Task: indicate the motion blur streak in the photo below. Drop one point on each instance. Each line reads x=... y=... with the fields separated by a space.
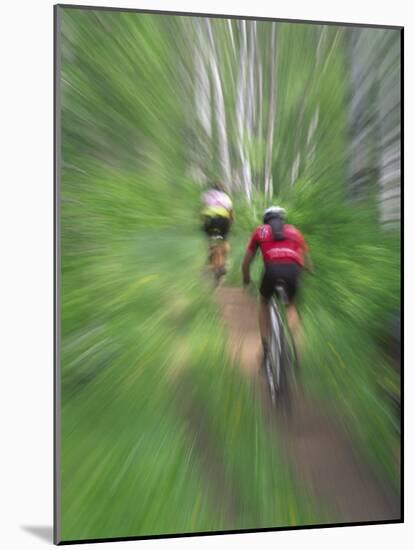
x=162 y=431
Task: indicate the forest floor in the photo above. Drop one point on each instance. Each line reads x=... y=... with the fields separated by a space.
x=316 y=445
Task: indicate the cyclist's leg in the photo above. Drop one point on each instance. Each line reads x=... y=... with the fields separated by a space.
x=222 y=226
x=226 y=248
x=264 y=321
x=223 y=251
x=266 y=291
x=207 y=230
x=218 y=257
x=292 y=278
x=211 y=228
x=290 y=274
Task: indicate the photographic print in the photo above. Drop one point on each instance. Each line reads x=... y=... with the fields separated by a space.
x=228 y=274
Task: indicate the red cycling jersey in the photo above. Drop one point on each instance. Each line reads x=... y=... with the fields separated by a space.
x=291 y=250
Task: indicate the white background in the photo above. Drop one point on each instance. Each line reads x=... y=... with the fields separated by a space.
x=26 y=297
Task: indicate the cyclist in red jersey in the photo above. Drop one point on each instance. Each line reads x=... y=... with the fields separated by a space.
x=285 y=255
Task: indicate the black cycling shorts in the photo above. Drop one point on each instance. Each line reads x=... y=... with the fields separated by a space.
x=217 y=225
x=290 y=274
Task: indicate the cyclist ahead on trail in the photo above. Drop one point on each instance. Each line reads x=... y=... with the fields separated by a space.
x=285 y=255
x=217 y=210
x=218 y=215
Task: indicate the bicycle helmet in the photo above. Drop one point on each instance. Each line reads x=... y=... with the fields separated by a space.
x=274 y=212
x=275 y=217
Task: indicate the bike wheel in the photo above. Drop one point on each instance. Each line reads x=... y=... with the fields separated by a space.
x=272 y=356
x=270 y=379
x=280 y=361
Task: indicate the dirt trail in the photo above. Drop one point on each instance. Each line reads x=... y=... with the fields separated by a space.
x=323 y=457
x=240 y=316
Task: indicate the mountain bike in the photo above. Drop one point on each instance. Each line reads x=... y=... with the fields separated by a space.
x=280 y=359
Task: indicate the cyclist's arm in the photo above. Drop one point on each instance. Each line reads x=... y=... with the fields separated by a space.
x=308 y=264
x=248 y=258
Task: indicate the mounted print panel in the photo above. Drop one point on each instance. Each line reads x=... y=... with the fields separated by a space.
x=228 y=274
